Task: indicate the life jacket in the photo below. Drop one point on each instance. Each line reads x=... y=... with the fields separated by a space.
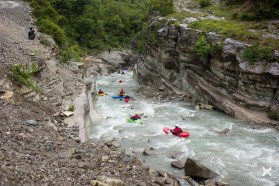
x=135 y=117
x=121 y=93
x=177 y=131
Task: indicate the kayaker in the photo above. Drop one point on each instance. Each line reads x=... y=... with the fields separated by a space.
x=122 y=72
x=100 y=91
x=135 y=117
x=121 y=93
x=176 y=131
x=120 y=81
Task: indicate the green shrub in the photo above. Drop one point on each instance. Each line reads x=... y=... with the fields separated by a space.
x=48 y=26
x=273 y=115
x=73 y=52
x=176 y=24
x=204 y=3
x=202 y=47
x=255 y=53
x=72 y=107
x=25 y=76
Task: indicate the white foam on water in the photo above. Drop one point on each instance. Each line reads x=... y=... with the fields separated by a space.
x=260 y=131
x=238 y=156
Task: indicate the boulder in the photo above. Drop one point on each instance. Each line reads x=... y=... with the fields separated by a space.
x=195 y=169
x=147 y=151
x=177 y=164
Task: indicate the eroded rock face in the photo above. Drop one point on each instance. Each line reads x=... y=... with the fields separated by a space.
x=238 y=88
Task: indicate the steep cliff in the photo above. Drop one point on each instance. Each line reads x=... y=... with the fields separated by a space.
x=237 y=87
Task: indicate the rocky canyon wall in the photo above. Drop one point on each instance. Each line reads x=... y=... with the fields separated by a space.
x=225 y=80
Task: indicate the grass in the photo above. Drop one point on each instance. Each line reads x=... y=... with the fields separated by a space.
x=233 y=26
x=237 y=30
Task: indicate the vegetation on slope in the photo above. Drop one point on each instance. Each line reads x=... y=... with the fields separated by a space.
x=245 y=20
x=87 y=25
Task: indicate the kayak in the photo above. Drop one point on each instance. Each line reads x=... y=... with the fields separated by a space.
x=101 y=94
x=127 y=100
x=181 y=135
x=134 y=121
x=117 y=97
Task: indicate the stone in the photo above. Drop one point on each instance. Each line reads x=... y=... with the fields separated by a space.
x=32 y=122
x=215 y=181
x=147 y=151
x=68 y=113
x=177 y=164
x=46 y=118
x=195 y=169
x=105 y=158
x=110 y=181
x=83 y=165
x=98 y=183
x=160 y=181
x=116 y=144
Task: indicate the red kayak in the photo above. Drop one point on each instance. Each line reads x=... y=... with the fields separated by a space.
x=127 y=100
x=181 y=135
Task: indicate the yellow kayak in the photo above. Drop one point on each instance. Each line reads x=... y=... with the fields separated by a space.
x=101 y=94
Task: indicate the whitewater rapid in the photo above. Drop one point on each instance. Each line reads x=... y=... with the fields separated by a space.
x=241 y=157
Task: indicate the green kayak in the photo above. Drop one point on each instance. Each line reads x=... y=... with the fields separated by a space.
x=134 y=121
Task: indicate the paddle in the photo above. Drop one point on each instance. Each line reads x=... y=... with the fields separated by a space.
x=166 y=130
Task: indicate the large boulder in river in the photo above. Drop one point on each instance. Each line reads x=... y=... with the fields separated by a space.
x=195 y=169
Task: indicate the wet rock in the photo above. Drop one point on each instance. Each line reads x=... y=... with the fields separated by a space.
x=215 y=181
x=161 y=173
x=195 y=169
x=177 y=164
x=191 y=181
x=225 y=131
x=147 y=151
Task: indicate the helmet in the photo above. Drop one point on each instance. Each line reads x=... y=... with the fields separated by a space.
x=136 y=113
x=176 y=125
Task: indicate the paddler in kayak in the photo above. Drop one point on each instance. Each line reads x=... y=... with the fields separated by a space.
x=121 y=93
x=135 y=117
x=176 y=131
x=100 y=92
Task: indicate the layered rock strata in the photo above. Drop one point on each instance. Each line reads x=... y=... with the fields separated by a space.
x=225 y=80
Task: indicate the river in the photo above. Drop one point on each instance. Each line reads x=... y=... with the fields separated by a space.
x=242 y=157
